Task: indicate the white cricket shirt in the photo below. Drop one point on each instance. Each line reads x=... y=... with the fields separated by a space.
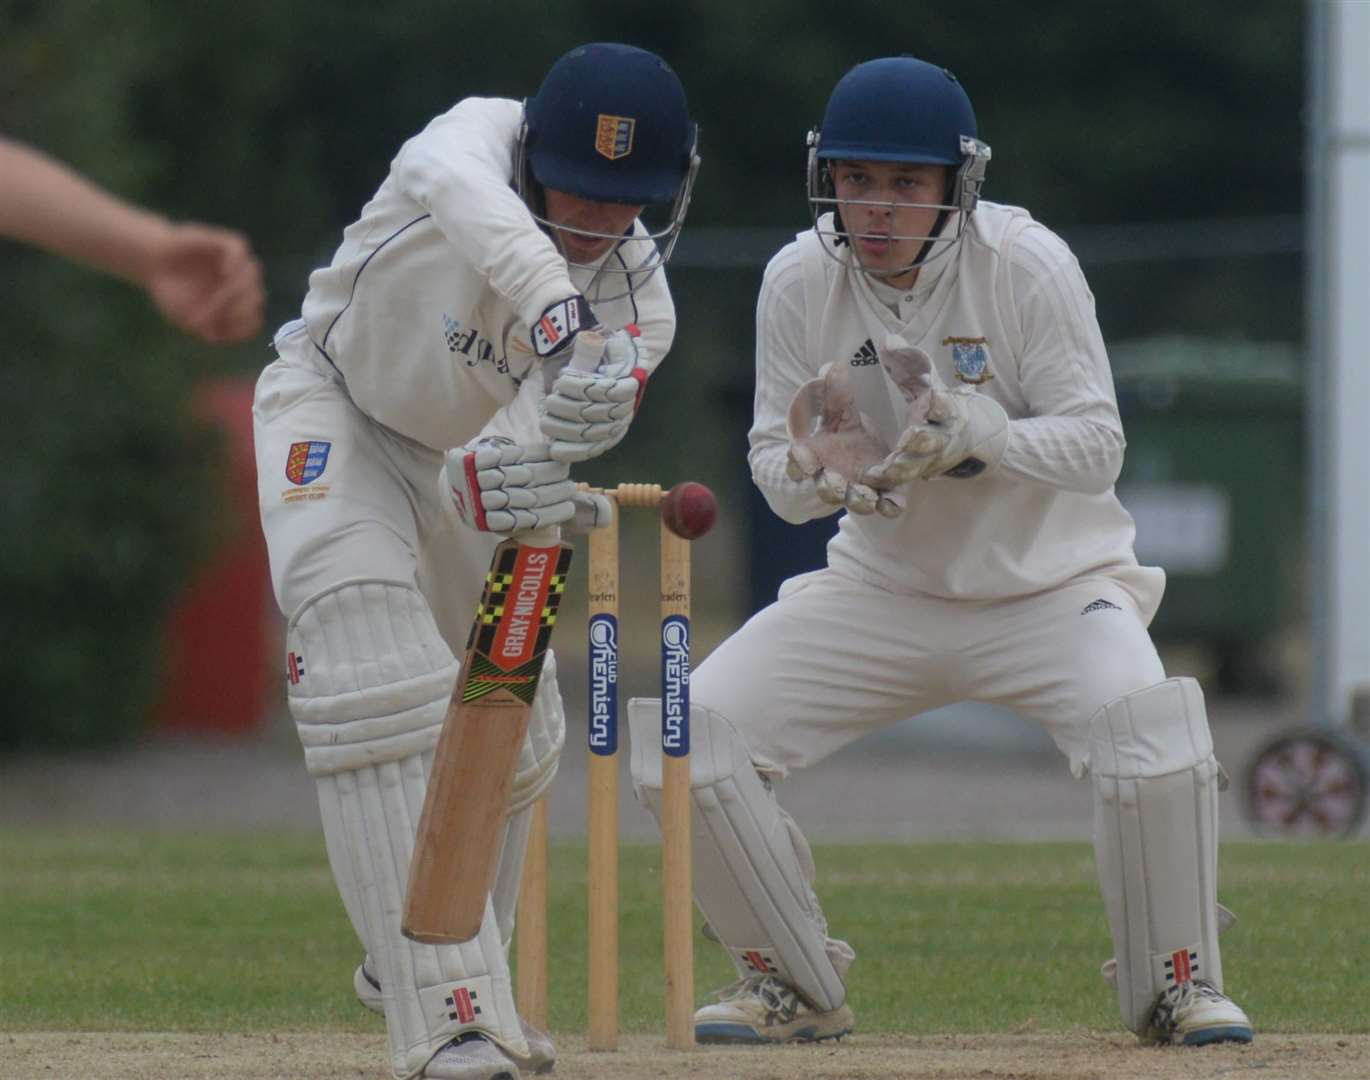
x=1008 y=312
x=426 y=307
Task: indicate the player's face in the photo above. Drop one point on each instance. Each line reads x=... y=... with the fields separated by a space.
x=572 y=217
x=889 y=208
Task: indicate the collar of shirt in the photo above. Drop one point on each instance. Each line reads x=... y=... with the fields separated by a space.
x=903 y=303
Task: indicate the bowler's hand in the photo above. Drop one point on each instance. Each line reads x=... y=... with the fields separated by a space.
x=207 y=282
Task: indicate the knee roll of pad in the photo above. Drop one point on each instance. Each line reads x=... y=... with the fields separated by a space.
x=370 y=676
x=750 y=878
x=1155 y=838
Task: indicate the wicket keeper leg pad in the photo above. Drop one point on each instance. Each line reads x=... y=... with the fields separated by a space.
x=369 y=703
x=1156 y=841
x=749 y=876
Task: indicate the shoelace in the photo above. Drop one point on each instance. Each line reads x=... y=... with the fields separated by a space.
x=1178 y=998
x=781 y=1001
x=744 y=987
x=1196 y=988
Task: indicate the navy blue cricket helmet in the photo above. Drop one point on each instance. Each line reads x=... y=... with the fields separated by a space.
x=609 y=123
x=898 y=108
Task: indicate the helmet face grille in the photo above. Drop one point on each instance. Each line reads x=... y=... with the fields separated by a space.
x=899 y=109
x=578 y=136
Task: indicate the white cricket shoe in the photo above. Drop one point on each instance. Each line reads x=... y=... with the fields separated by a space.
x=762 y=1009
x=470 y=1057
x=542 y=1052
x=1194 y=1013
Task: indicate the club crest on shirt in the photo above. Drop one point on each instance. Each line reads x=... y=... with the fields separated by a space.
x=614 y=136
x=970 y=359
x=304 y=464
x=306 y=461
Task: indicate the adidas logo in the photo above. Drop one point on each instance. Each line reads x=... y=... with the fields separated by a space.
x=866 y=355
x=1100 y=605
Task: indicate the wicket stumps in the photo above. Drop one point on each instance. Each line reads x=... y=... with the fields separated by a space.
x=602 y=780
x=532 y=923
x=603 y=636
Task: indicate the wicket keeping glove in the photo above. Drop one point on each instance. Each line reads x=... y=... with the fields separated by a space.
x=957 y=433
x=831 y=445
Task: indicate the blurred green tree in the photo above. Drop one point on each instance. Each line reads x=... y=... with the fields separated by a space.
x=108 y=492
x=280 y=119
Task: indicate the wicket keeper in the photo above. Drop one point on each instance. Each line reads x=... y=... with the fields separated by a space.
x=929 y=366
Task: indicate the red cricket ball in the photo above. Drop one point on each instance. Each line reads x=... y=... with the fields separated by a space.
x=689 y=510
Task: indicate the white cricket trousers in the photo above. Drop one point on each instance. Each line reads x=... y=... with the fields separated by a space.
x=365 y=502
x=834 y=658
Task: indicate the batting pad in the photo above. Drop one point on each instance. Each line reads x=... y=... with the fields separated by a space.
x=370 y=683
x=541 y=753
x=752 y=868
x=504 y=894
x=1156 y=841
x=537 y=768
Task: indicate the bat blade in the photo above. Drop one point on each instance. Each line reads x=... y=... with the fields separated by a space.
x=456 y=849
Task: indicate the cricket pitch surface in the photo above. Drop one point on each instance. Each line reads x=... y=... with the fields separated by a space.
x=1027 y=1056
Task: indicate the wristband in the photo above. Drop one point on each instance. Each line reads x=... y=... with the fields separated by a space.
x=557 y=327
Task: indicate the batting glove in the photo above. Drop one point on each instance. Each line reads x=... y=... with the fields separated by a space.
x=591 y=402
x=496 y=485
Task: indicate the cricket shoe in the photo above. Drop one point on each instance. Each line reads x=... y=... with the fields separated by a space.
x=1194 y=1013
x=542 y=1053
x=762 y=1009
x=470 y=1056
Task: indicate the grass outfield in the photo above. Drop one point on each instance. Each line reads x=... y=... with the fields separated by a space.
x=245 y=933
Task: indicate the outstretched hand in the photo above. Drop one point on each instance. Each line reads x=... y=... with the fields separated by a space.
x=206 y=282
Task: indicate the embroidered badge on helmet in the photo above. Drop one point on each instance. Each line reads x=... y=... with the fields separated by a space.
x=970 y=359
x=614 y=136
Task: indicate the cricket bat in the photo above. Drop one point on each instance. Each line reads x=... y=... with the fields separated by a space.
x=457 y=848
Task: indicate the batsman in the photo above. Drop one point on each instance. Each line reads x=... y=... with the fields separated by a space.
x=929 y=366
x=423 y=408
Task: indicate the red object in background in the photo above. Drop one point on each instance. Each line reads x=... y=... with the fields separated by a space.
x=218 y=638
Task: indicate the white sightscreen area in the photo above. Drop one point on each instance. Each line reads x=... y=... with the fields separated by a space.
x=1339 y=343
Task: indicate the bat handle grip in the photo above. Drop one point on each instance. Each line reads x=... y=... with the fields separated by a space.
x=549 y=536
x=587 y=350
